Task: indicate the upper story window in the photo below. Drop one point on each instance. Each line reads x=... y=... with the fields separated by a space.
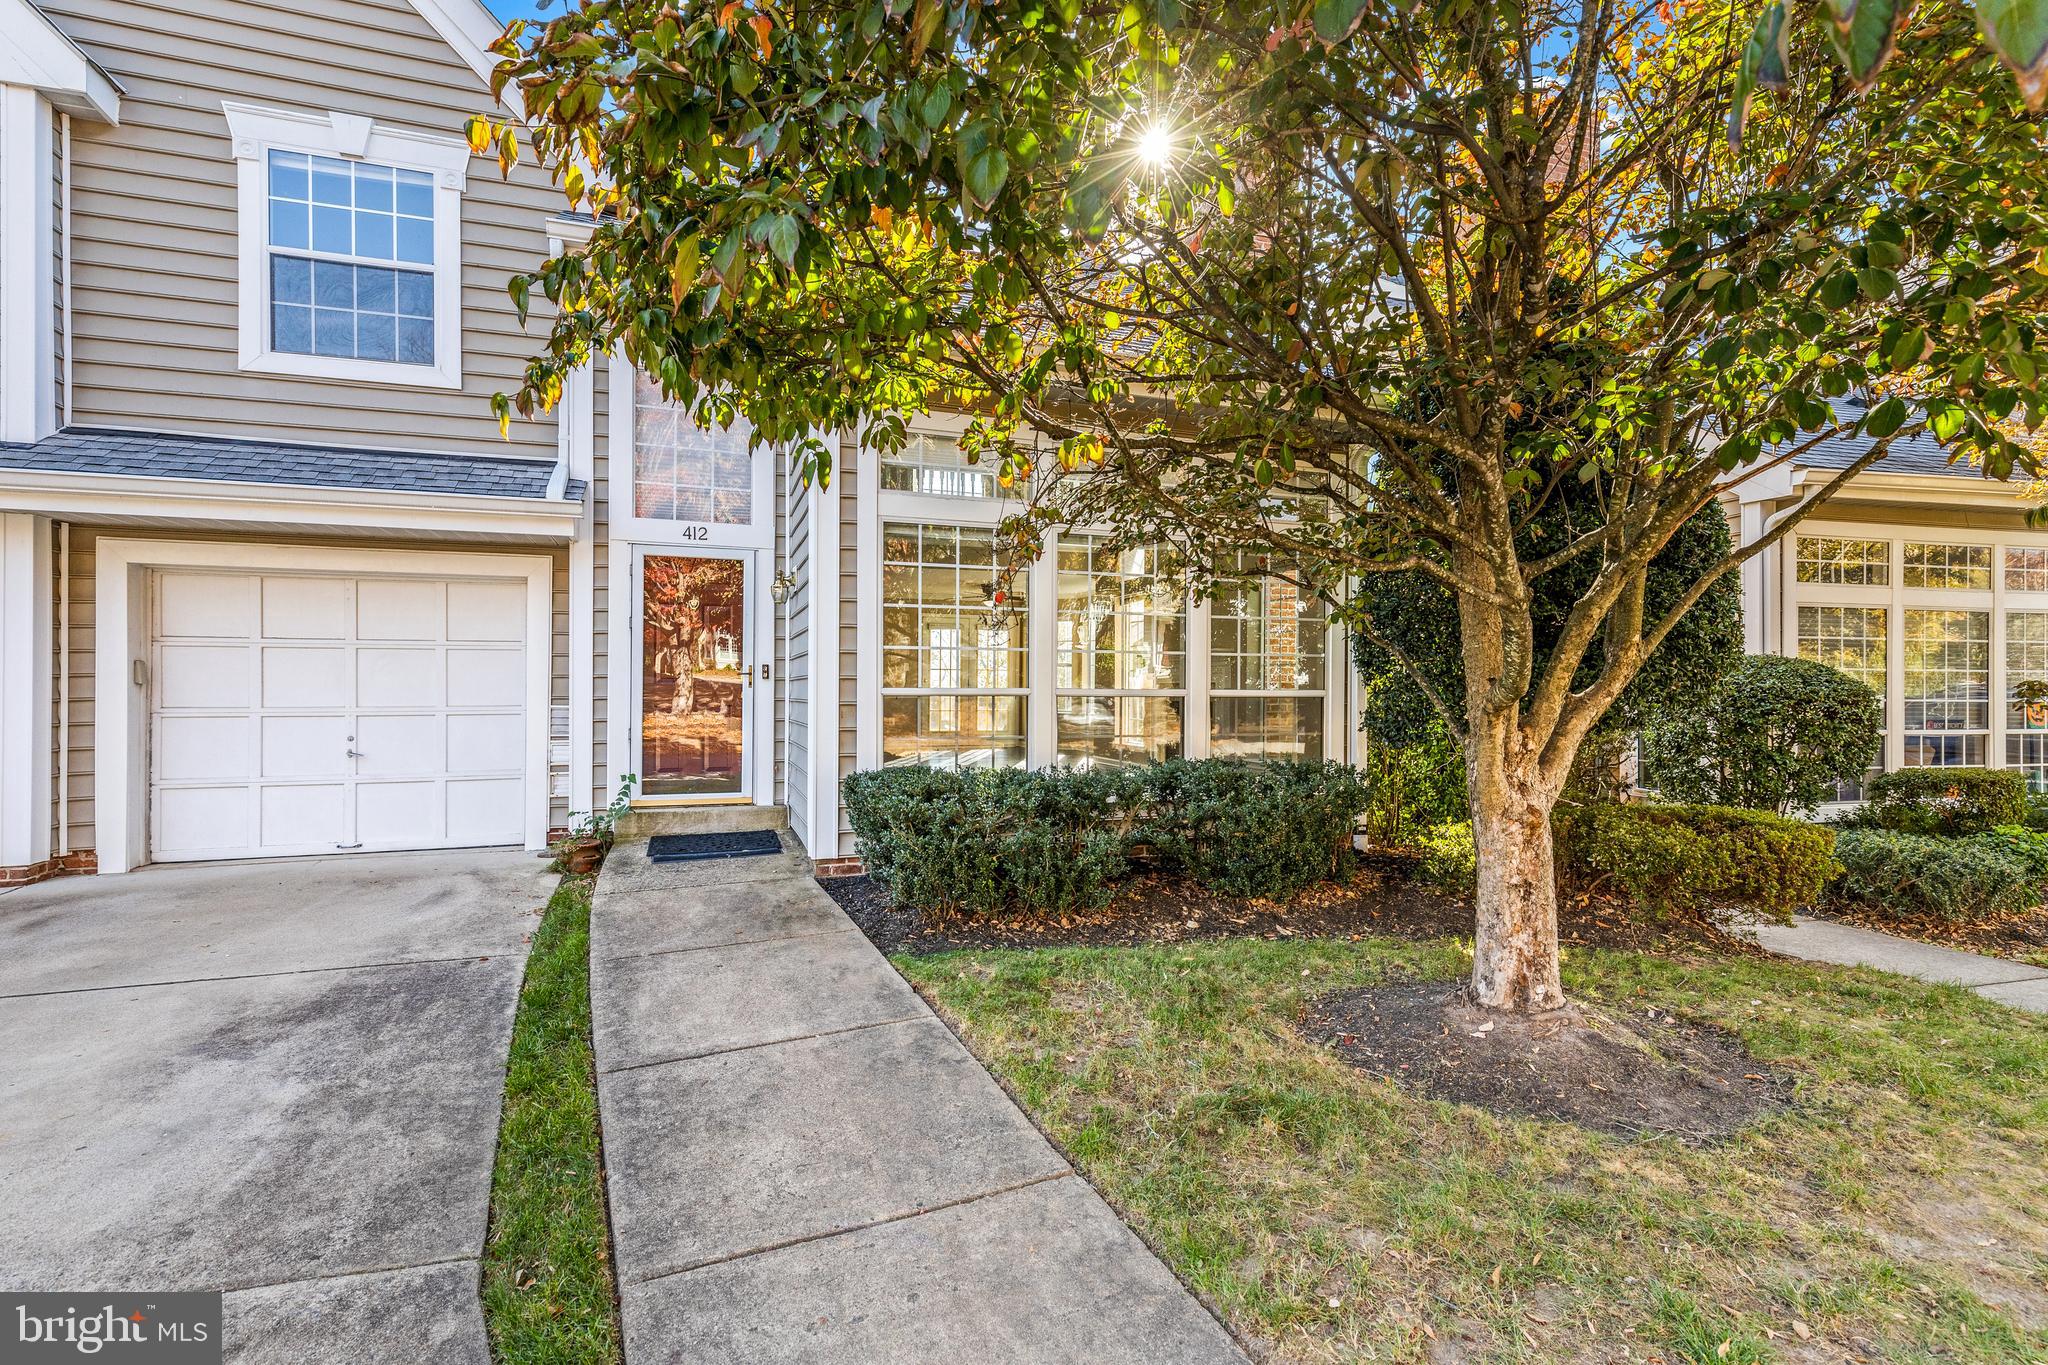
x=933 y=463
x=684 y=472
x=350 y=248
x=1931 y=564
x=1832 y=559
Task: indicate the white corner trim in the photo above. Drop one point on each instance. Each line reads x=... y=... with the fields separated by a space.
x=27 y=643
x=824 y=717
x=867 y=709
x=28 y=243
x=622 y=598
x=253 y=131
x=121 y=639
x=39 y=54
x=577 y=436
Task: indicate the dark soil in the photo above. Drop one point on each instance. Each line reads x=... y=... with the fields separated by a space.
x=1382 y=899
x=1638 y=1075
x=2022 y=937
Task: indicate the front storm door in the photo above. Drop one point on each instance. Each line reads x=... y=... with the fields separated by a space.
x=695 y=676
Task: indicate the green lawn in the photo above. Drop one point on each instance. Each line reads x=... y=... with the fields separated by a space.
x=1898 y=1211
x=548 y=1293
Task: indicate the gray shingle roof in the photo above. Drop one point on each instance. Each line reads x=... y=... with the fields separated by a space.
x=1915 y=454
x=224 y=459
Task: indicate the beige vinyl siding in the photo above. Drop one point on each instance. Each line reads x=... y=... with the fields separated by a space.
x=154 y=231
x=847 y=478
x=78 y=648
x=796 y=668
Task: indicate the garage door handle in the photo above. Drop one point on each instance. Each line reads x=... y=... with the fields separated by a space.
x=353 y=754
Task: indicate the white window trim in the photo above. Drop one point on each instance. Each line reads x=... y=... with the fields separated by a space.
x=255 y=132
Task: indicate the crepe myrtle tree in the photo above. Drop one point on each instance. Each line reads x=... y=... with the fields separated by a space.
x=1350 y=287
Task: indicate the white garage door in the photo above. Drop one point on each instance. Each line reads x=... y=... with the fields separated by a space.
x=296 y=714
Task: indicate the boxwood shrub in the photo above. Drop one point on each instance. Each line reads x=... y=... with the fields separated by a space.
x=1060 y=839
x=1691 y=858
x=1950 y=801
x=1927 y=875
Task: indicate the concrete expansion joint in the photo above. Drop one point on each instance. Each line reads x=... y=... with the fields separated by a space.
x=771 y=1042
x=353 y=1273
x=727 y=947
x=871 y=1223
x=257 y=976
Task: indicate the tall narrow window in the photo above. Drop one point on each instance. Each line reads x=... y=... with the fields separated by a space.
x=1121 y=669
x=953 y=657
x=1947 y=660
x=351 y=259
x=1268 y=674
x=2026 y=718
x=1851 y=640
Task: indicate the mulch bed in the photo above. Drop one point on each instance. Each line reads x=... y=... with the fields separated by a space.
x=2021 y=937
x=1637 y=1075
x=1382 y=899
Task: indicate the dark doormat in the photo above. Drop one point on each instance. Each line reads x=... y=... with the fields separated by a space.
x=694 y=848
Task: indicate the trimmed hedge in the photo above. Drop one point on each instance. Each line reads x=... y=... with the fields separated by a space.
x=1691 y=858
x=1920 y=874
x=1948 y=801
x=1060 y=839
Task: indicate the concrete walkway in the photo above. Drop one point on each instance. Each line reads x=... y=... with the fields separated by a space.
x=2008 y=983
x=805 y=1165
x=278 y=1079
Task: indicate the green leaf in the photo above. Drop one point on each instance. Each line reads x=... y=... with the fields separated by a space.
x=1877 y=285
x=1907 y=352
x=1335 y=19
x=1865 y=34
x=782 y=237
x=984 y=176
x=1764 y=63
x=2017 y=31
x=1884 y=419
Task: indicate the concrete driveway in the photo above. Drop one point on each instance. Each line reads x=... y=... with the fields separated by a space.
x=280 y=1079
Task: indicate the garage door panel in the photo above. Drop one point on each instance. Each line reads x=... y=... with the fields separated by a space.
x=305 y=677
x=488 y=743
x=205 y=605
x=204 y=819
x=203 y=677
x=397 y=676
x=487 y=611
x=398 y=813
x=484 y=811
x=203 y=748
x=484 y=677
x=305 y=608
x=399 y=746
x=399 y=609
x=305 y=746
x=295 y=815
x=298 y=714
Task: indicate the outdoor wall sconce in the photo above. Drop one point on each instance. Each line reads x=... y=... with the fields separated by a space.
x=781 y=586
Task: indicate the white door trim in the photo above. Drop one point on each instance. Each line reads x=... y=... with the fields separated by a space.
x=120 y=700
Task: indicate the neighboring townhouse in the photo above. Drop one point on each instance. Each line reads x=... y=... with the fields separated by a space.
x=1921 y=578
x=272 y=583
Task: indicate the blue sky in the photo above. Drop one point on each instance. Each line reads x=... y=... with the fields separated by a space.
x=514 y=9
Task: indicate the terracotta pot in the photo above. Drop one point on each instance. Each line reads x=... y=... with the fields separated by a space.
x=585 y=856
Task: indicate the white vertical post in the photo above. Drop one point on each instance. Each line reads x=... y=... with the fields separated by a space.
x=28 y=301
x=823 y=588
x=27 y=655
x=1755 y=603
x=576 y=434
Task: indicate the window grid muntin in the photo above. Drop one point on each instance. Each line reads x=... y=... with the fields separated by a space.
x=955 y=663
x=934 y=465
x=2026 y=568
x=1100 y=586
x=1840 y=561
x=2027 y=750
x=334 y=227
x=1946 y=663
x=2026 y=660
x=1947 y=566
x=686 y=472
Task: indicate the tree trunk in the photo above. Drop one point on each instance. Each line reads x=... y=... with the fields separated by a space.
x=1514 y=951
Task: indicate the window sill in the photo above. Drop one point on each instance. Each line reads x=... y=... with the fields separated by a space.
x=382 y=373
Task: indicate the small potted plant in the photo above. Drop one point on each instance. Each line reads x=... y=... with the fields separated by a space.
x=583 y=847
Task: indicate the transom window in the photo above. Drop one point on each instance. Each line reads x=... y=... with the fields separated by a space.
x=1948 y=687
x=934 y=464
x=2026 y=569
x=1267 y=666
x=685 y=472
x=954 y=662
x=1121 y=662
x=1932 y=564
x=1831 y=559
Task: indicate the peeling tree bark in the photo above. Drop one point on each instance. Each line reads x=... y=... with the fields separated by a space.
x=1514 y=953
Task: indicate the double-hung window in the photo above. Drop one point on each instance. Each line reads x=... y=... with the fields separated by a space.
x=350 y=248
x=1121 y=664
x=1268 y=671
x=954 y=674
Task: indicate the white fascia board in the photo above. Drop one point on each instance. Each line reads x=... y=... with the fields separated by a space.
x=74 y=495
x=37 y=53
x=1950 y=489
